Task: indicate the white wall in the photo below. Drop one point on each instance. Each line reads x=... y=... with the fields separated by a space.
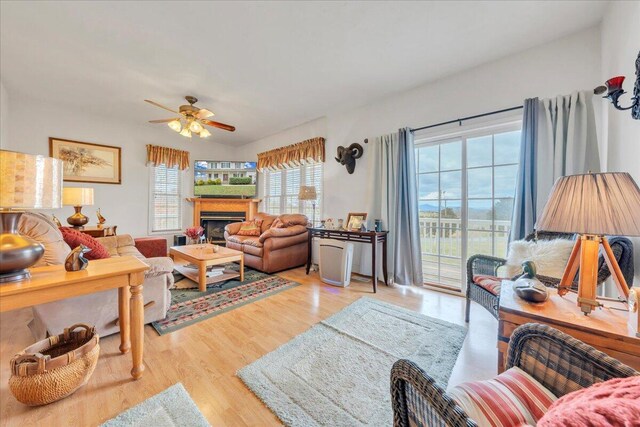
x=4 y=115
x=620 y=46
x=556 y=68
x=125 y=205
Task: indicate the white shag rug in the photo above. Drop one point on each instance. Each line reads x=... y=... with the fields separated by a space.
x=170 y=408
x=338 y=372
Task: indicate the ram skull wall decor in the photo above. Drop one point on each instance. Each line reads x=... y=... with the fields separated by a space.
x=347 y=156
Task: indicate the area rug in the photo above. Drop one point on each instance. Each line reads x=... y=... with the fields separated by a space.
x=337 y=373
x=189 y=305
x=170 y=408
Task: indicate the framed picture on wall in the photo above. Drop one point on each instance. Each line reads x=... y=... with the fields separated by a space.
x=355 y=220
x=87 y=162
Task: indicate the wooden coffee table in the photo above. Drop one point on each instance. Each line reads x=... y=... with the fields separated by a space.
x=605 y=328
x=203 y=256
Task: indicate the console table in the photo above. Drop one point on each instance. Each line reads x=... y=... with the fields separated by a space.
x=53 y=283
x=605 y=328
x=371 y=237
x=99 y=231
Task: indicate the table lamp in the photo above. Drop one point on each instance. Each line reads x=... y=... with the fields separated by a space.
x=77 y=197
x=308 y=192
x=26 y=182
x=593 y=206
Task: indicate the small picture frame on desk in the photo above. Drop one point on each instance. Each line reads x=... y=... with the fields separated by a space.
x=355 y=220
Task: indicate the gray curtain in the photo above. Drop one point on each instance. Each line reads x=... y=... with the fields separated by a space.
x=558 y=138
x=393 y=196
x=524 y=205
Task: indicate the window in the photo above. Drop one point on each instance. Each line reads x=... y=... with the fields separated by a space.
x=281 y=190
x=165 y=200
x=466 y=188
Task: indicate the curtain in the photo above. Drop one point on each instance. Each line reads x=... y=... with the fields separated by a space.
x=558 y=138
x=309 y=151
x=524 y=205
x=170 y=157
x=393 y=198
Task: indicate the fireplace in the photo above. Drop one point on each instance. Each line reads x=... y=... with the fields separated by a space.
x=214 y=222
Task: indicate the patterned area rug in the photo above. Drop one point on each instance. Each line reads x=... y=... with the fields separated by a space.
x=338 y=372
x=189 y=305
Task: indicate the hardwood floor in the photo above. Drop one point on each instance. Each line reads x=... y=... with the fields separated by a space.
x=204 y=357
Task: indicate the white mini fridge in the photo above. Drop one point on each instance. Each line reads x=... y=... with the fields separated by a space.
x=336 y=258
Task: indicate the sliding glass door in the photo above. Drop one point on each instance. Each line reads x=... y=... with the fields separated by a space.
x=466 y=184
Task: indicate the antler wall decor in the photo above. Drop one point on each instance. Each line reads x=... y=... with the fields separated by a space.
x=347 y=156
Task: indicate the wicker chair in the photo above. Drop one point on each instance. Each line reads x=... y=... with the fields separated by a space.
x=559 y=362
x=488 y=265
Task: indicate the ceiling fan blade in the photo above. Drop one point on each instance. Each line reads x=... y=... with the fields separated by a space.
x=218 y=125
x=164 y=120
x=204 y=114
x=161 y=106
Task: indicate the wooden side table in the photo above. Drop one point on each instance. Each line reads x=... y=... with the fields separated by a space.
x=99 y=231
x=53 y=283
x=606 y=328
x=371 y=237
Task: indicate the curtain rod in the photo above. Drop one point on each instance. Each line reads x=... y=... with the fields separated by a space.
x=596 y=91
x=459 y=121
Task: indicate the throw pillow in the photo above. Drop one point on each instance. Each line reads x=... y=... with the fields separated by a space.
x=75 y=238
x=41 y=229
x=250 y=228
x=550 y=256
x=277 y=224
x=611 y=403
x=513 y=398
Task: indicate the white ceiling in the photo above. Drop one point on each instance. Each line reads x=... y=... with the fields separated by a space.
x=261 y=66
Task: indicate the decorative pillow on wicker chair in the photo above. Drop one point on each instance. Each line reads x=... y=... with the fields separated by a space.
x=513 y=398
x=611 y=403
x=251 y=228
x=488 y=283
x=550 y=256
x=75 y=238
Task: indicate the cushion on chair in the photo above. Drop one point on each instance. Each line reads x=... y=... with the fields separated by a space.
x=550 y=256
x=277 y=224
x=488 y=283
x=611 y=403
x=513 y=398
x=41 y=229
x=251 y=228
x=75 y=238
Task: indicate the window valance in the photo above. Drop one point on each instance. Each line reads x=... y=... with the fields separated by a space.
x=170 y=157
x=309 y=151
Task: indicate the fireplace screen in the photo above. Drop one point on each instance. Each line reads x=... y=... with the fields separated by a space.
x=214 y=223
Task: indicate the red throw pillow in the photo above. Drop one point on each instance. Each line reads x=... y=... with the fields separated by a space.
x=75 y=238
x=251 y=228
x=611 y=403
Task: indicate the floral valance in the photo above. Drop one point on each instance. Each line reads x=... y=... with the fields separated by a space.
x=309 y=151
x=169 y=157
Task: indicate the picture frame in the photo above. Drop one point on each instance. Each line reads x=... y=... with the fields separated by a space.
x=88 y=162
x=355 y=220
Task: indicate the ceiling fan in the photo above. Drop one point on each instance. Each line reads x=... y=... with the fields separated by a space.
x=191 y=120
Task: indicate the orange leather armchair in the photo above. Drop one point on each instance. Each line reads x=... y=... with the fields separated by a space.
x=276 y=249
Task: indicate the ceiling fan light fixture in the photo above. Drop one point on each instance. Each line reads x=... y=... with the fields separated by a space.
x=175 y=125
x=195 y=127
x=186 y=132
x=204 y=133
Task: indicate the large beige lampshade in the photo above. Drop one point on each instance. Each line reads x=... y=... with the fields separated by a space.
x=75 y=196
x=307 y=192
x=30 y=181
x=598 y=203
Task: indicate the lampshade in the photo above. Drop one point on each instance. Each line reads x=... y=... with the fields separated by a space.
x=599 y=203
x=30 y=181
x=74 y=196
x=307 y=192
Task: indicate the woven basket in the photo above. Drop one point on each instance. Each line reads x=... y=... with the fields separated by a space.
x=54 y=368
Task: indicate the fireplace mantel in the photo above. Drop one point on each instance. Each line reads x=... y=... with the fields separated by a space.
x=248 y=206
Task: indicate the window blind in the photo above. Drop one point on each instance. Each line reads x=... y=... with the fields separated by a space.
x=165 y=199
x=281 y=188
